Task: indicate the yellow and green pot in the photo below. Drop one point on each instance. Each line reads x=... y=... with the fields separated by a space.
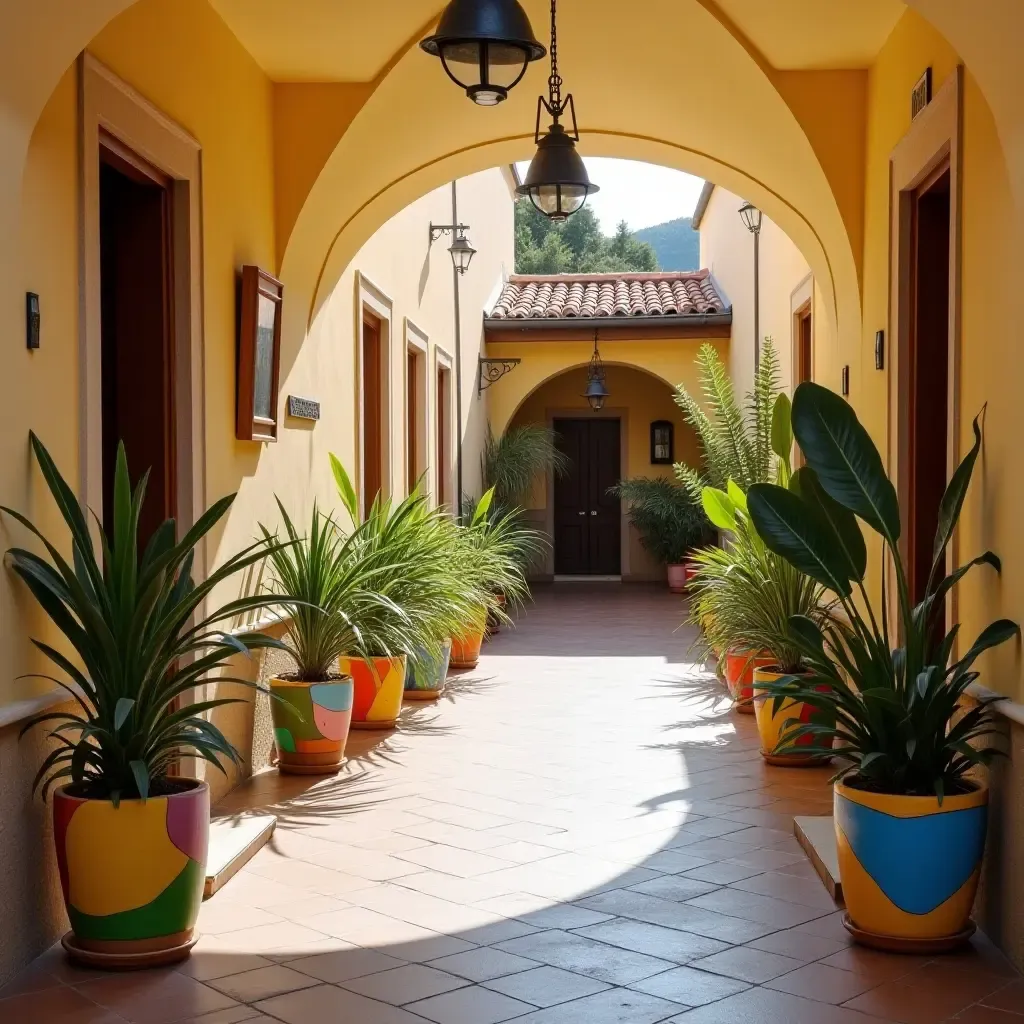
x=133 y=875
x=379 y=686
x=425 y=679
x=311 y=723
x=772 y=724
x=909 y=867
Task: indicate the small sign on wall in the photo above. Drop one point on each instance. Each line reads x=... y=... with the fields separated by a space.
x=303 y=408
x=662 y=446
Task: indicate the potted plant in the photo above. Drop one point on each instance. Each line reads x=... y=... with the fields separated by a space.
x=325 y=590
x=511 y=463
x=131 y=838
x=409 y=550
x=493 y=552
x=670 y=522
x=910 y=819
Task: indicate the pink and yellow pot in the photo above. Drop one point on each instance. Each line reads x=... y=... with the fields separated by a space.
x=772 y=724
x=739 y=676
x=311 y=724
x=133 y=875
x=379 y=685
x=910 y=866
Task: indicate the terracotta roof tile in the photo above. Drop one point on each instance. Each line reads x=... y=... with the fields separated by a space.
x=593 y=296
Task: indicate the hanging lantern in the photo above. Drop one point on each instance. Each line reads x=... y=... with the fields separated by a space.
x=557 y=181
x=462 y=253
x=485 y=47
x=596 y=391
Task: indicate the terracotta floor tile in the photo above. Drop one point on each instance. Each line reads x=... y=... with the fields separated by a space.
x=262 y=983
x=271 y=938
x=474 y=1005
x=764 y=1006
x=344 y=964
x=521 y=852
x=807 y=891
x=799 y=945
x=405 y=984
x=674 y=887
x=546 y=986
x=826 y=984
x=747 y=964
x=764 y=909
x=483 y=964
x=1010 y=997
x=59 y=1005
x=614 y=1006
x=667 y=943
x=218 y=916
x=235 y=1015
x=872 y=964
x=722 y=872
x=691 y=987
x=943 y=996
x=454 y=835
x=154 y=998
x=326 y=1004
x=981 y=1014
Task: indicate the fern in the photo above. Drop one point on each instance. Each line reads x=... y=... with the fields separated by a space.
x=735 y=439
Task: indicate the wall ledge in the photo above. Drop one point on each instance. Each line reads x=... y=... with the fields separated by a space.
x=20 y=710
x=1001 y=705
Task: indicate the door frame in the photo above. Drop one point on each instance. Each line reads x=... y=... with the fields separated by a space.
x=620 y=413
x=380 y=306
x=933 y=138
x=110 y=107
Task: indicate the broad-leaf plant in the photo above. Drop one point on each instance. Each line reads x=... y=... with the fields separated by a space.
x=141 y=639
x=895 y=688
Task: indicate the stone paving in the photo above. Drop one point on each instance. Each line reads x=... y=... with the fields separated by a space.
x=581 y=830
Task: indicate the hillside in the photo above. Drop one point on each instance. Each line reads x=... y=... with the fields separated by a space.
x=675 y=242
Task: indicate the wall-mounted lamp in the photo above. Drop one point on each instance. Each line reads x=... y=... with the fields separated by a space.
x=845 y=379
x=462 y=252
x=879 y=350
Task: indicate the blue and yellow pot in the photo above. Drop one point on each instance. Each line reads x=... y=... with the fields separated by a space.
x=425 y=678
x=909 y=867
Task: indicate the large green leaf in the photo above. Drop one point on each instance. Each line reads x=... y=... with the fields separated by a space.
x=843 y=522
x=953 y=500
x=782 y=428
x=790 y=528
x=719 y=508
x=840 y=451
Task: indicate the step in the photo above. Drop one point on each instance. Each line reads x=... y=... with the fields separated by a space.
x=817 y=835
x=234 y=841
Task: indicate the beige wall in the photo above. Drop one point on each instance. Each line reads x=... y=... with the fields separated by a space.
x=727 y=250
x=636 y=398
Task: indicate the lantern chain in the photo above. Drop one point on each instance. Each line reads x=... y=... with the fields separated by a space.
x=554 y=79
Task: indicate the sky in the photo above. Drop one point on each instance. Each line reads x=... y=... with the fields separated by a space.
x=640 y=194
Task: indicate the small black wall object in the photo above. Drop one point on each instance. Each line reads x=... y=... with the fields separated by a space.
x=879 y=350
x=32 y=320
x=846 y=380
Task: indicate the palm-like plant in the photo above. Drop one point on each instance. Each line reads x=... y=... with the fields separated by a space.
x=895 y=695
x=671 y=523
x=736 y=440
x=513 y=461
x=141 y=640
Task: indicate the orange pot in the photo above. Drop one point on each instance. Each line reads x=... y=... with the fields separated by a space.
x=466 y=648
x=739 y=676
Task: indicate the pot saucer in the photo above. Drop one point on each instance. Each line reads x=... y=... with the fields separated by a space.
x=894 y=944
x=126 y=961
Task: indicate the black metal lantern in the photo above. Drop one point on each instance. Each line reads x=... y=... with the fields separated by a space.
x=595 y=392
x=557 y=181
x=484 y=47
x=751 y=217
x=462 y=253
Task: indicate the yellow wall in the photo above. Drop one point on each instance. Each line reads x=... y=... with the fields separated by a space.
x=635 y=399
x=727 y=250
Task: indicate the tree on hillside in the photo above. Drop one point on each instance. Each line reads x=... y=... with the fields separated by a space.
x=576 y=246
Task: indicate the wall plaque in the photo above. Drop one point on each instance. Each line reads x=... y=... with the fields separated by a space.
x=303 y=408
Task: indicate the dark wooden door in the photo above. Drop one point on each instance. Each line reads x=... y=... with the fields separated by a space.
x=588 y=521
x=137 y=357
x=372 y=426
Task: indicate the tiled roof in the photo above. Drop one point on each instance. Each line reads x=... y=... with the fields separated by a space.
x=568 y=297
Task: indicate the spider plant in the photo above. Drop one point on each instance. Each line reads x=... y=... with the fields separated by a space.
x=513 y=461
x=141 y=638
x=670 y=522
x=894 y=684
x=735 y=437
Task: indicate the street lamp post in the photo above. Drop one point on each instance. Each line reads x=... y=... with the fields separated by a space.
x=751 y=216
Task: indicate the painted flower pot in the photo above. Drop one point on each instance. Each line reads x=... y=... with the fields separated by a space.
x=909 y=867
x=739 y=676
x=425 y=681
x=466 y=648
x=132 y=875
x=311 y=723
x=771 y=724
x=677 y=578
x=379 y=686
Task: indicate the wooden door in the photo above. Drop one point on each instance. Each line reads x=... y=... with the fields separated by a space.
x=588 y=522
x=137 y=347
x=372 y=427
x=928 y=469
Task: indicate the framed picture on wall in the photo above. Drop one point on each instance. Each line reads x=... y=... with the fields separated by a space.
x=259 y=356
x=662 y=447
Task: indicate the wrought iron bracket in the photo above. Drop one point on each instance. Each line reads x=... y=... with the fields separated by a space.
x=437 y=230
x=490 y=371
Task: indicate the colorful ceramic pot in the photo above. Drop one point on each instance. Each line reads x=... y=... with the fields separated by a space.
x=466 y=648
x=311 y=723
x=133 y=875
x=379 y=685
x=909 y=866
x=771 y=724
x=425 y=680
x=677 y=578
x=739 y=676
